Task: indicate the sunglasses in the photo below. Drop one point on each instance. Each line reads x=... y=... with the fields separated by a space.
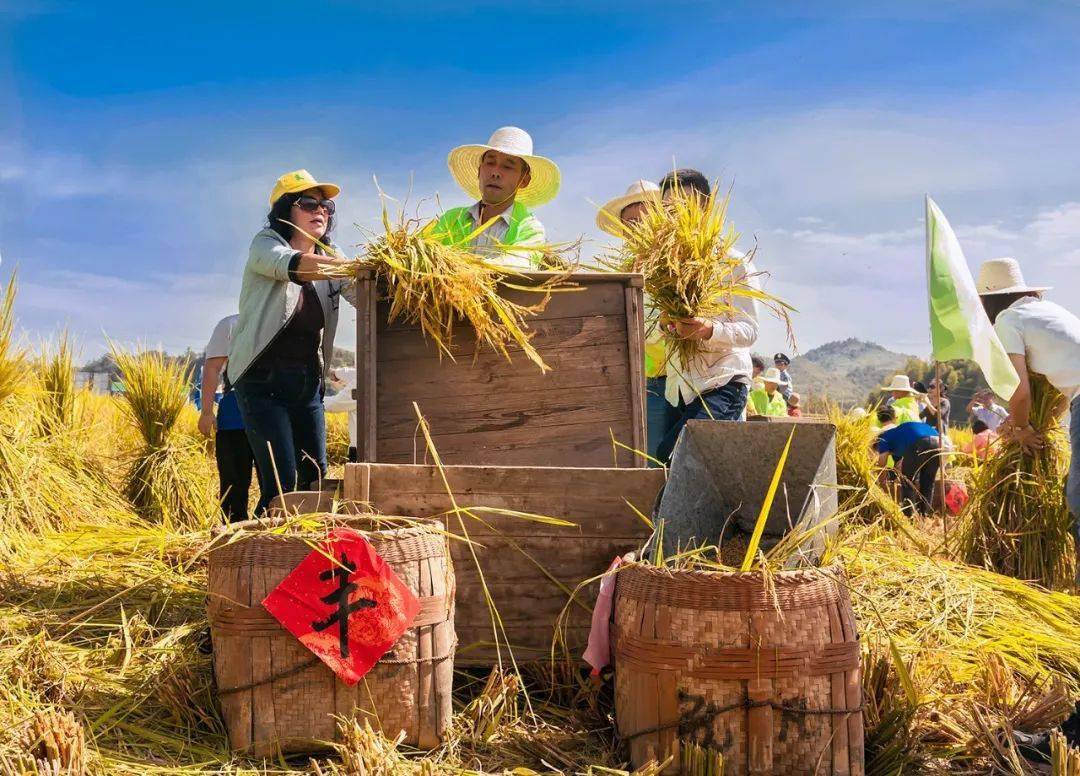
x=310 y=205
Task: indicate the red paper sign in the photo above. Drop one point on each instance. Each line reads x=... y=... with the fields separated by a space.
x=345 y=604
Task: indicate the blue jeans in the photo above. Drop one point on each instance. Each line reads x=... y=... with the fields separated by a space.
x=283 y=417
x=724 y=403
x=655 y=413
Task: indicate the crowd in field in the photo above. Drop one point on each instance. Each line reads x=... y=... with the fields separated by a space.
x=272 y=358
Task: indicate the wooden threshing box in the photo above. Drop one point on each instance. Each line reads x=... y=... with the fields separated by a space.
x=493 y=411
x=517 y=555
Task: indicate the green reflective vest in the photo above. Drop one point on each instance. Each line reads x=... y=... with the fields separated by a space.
x=760 y=403
x=907 y=410
x=456 y=224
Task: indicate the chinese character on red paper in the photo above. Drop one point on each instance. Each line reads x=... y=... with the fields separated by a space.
x=345 y=604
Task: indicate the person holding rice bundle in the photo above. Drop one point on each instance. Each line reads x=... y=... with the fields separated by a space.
x=1043 y=338
x=506 y=179
x=284 y=339
x=768 y=400
x=715 y=384
x=613 y=217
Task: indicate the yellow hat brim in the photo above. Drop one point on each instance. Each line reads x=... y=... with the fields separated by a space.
x=544 y=181
x=331 y=190
x=609 y=217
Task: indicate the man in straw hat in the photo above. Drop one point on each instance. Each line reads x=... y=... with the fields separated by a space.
x=768 y=400
x=902 y=398
x=505 y=179
x=613 y=218
x=1040 y=337
x=715 y=385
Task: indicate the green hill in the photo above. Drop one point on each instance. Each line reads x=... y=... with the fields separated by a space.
x=845 y=371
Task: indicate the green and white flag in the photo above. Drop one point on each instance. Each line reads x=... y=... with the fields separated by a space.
x=959 y=327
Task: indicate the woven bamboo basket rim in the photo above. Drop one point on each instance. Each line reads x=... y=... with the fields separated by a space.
x=732 y=590
x=255 y=542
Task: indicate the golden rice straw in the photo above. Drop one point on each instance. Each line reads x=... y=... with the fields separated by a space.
x=685 y=249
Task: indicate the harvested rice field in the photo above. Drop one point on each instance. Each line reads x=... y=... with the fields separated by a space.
x=108 y=509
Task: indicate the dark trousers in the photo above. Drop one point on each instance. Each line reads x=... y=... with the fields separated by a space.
x=724 y=403
x=234 y=462
x=283 y=415
x=918 y=471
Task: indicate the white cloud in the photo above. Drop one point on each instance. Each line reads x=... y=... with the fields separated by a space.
x=855 y=267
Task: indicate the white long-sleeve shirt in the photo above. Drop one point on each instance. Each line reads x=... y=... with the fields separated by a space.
x=343 y=400
x=725 y=356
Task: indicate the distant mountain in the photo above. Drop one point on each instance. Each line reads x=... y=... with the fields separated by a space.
x=844 y=371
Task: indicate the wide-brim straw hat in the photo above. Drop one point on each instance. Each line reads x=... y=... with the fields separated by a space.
x=900 y=383
x=1003 y=276
x=464 y=163
x=772 y=375
x=609 y=219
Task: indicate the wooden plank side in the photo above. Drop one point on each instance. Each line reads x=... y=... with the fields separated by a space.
x=635 y=335
x=432 y=378
x=580 y=446
x=527 y=599
x=536 y=481
x=506 y=411
x=401 y=343
x=613 y=519
x=366 y=390
x=605 y=298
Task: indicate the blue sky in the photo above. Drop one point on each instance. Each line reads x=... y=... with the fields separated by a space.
x=140 y=140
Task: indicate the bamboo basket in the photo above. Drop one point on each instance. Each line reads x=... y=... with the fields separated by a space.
x=767 y=675
x=276 y=697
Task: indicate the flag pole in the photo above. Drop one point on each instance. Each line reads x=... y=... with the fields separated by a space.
x=941 y=454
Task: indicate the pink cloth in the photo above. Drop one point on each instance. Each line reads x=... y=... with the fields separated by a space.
x=598 y=652
x=979 y=446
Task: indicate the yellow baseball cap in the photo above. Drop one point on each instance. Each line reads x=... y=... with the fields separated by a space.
x=301 y=180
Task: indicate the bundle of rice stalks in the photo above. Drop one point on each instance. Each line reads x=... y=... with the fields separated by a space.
x=436 y=285
x=12 y=359
x=495 y=707
x=861 y=497
x=109 y=622
x=685 y=248
x=1064 y=759
x=890 y=713
x=365 y=751
x=952 y=615
x=54 y=742
x=1018 y=522
x=56 y=373
x=164 y=480
x=698 y=760
x=999 y=706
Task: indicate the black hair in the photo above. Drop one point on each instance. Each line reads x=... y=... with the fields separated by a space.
x=919 y=386
x=995 y=303
x=886 y=415
x=686 y=179
x=978 y=427
x=758 y=361
x=281 y=211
